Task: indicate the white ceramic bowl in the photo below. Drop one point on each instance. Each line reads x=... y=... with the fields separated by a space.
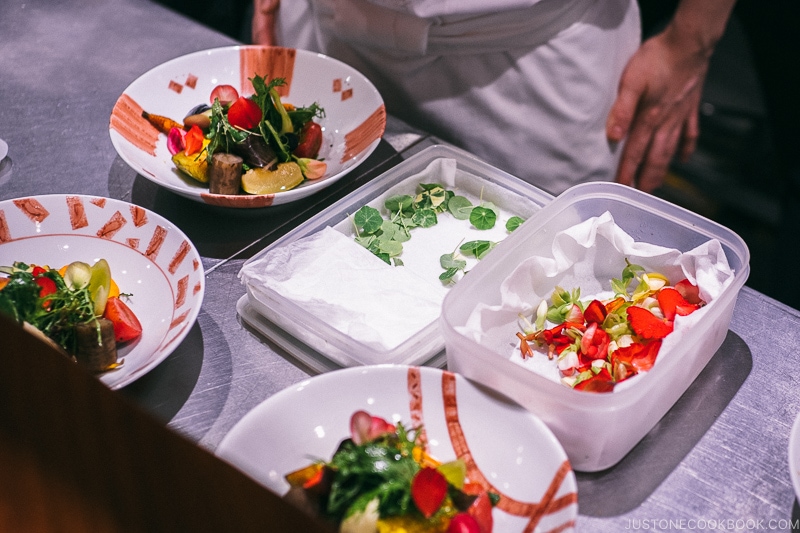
x=354 y=120
x=503 y=444
x=150 y=259
x=794 y=455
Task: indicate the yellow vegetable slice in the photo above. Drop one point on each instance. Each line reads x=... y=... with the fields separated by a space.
x=263 y=181
x=195 y=165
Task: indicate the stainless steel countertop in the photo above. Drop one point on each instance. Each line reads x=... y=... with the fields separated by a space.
x=716 y=462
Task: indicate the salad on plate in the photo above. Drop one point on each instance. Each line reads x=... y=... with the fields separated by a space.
x=256 y=145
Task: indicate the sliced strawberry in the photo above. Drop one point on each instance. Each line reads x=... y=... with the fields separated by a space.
x=428 y=490
x=646 y=324
x=638 y=357
x=689 y=291
x=603 y=381
x=595 y=312
x=594 y=343
x=672 y=302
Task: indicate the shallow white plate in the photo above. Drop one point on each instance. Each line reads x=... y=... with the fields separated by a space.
x=505 y=447
x=3 y=149
x=354 y=120
x=150 y=259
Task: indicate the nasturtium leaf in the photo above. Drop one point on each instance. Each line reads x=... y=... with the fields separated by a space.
x=513 y=223
x=368 y=219
x=398 y=203
x=390 y=247
x=482 y=217
x=451 y=261
x=477 y=248
x=460 y=207
x=425 y=218
x=366 y=240
x=448 y=274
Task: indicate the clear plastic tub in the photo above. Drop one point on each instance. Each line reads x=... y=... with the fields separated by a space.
x=596 y=429
x=302 y=321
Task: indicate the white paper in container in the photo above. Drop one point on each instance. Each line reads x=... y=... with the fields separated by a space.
x=596 y=429
x=308 y=290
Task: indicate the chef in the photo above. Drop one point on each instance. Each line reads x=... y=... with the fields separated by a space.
x=556 y=92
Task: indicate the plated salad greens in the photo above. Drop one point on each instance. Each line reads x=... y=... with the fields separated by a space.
x=381 y=480
x=256 y=144
x=384 y=237
x=598 y=344
x=78 y=307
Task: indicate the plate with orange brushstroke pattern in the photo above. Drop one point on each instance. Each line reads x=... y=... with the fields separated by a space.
x=352 y=126
x=506 y=449
x=151 y=260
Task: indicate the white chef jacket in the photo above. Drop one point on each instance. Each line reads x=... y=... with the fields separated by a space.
x=525 y=85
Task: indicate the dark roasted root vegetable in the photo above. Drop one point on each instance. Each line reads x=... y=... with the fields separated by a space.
x=225 y=173
x=255 y=152
x=97 y=354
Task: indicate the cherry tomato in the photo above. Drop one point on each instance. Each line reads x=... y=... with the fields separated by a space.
x=126 y=325
x=225 y=94
x=310 y=141
x=244 y=113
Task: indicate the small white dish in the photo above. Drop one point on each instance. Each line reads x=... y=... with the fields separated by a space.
x=150 y=259
x=3 y=149
x=505 y=446
x=354 y=120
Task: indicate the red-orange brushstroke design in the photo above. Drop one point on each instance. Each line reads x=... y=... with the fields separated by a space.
x=195 y=264
x=180 y=298
x=139 y=216
x=414 y=379
x=269 y=62
x=156 y=242
x=77 y=213
x=111 y=227
x=178 y=320
x=191 y=81
x=362 y=136
x=5 y=232
x=347 y=94
x=196 y=288
x=127 y=120
x=535 y=511
x=337 y=85
x=133 y=243
x=99 y=202
x=180 y=255
x=32 y=209
x=175 y=86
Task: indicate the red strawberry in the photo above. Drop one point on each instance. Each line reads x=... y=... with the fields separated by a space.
x=672 y=302
x=603 y=381
x=595 y=312
x=428 y=490
x=646 y=324
x=690 y=292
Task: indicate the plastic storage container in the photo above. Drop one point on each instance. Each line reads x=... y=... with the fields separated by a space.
x=296 y=327
x=596 y=429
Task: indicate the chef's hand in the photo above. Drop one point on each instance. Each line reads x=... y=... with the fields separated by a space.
x=659 y=94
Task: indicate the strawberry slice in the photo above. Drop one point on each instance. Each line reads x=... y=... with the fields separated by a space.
x=595 y=312
x=673 y=303
x=638 y=357
x=365 y=428
x=428 y=490
x=603 y=381
x=689 y=291
x=646 y=324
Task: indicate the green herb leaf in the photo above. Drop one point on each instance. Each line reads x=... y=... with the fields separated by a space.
x=513 y=223
x=460 y=207
x=482 y=217
x=425 y=217
x=368 y=219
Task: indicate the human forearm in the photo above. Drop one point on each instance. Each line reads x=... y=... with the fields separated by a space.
x=698 y=25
